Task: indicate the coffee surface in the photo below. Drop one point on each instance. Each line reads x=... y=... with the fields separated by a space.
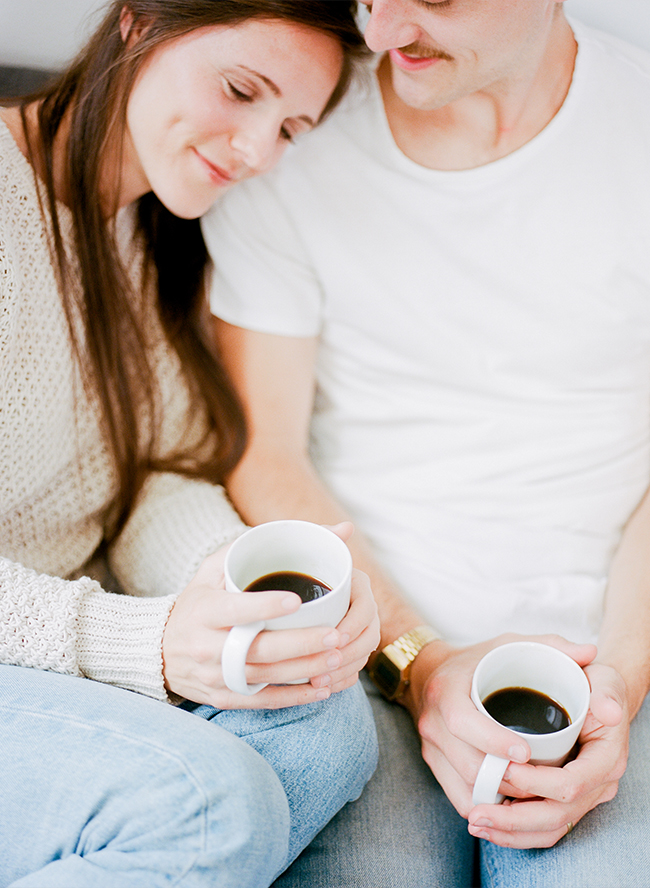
x=307 y=587
x=527 y=711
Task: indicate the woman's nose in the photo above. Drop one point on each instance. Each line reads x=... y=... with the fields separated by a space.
x=257 y=145
x=390 y=25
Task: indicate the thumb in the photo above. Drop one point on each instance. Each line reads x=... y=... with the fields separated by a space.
x=607 y=694
x=343 y=530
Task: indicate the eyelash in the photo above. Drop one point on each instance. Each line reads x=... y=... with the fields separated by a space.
x=240 y=96
x=428 y=5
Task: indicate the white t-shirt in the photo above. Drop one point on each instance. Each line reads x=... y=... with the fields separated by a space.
x=483 y=405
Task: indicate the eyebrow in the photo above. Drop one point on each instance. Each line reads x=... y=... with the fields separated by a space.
x=275 y=89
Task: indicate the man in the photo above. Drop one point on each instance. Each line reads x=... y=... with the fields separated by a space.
x=453 y=274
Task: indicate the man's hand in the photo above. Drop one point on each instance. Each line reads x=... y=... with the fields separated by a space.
x=455 y=738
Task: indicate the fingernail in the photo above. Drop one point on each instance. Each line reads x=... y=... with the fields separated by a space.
x=482 y=821
x=334 y=660
x=289 y=603
x=331 y=640
x=323 y=694
x=518 y=754
x=480 y=833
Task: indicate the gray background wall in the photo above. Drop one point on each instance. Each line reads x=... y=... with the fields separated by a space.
x=45 y=33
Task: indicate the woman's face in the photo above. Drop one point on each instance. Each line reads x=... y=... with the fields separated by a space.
x=220 y=105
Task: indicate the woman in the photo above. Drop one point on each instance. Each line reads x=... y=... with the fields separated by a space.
x=117 y=426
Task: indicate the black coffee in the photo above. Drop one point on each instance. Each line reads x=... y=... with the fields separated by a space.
x=309 y=588
x=525 y=710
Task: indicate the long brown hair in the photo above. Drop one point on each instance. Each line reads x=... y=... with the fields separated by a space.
x=92 y=95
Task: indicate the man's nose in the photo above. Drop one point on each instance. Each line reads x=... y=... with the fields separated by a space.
x=391 y=25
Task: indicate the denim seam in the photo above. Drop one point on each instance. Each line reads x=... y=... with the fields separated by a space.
x=145 y=743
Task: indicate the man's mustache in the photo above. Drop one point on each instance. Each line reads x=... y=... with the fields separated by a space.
x=422 y=51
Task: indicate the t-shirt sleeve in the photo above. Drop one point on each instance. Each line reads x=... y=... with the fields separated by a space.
x=262 y=279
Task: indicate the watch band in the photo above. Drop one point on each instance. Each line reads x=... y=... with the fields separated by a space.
x=411 y=643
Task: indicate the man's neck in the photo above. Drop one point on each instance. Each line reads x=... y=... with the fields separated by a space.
x=487 y=125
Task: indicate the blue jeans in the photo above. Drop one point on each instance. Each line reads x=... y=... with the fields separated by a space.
x=103 y=787
x=403 y=832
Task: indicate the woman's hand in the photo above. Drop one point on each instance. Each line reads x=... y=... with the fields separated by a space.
x=358 y=637
x=204 y=613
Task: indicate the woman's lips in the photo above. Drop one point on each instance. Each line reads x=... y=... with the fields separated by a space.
x=411 y=63
x=217 y=175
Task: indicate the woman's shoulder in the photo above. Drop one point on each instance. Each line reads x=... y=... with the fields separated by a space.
x=11 y=123
x=24 y=246
x=12 y=142
x=17 y=187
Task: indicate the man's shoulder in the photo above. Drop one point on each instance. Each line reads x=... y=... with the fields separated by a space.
x=613 y=86
x=359 y=114
x=627 y=58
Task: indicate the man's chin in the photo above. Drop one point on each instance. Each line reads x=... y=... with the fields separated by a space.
x=413 y=90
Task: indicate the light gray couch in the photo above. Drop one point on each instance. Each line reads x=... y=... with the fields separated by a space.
x=15 y=81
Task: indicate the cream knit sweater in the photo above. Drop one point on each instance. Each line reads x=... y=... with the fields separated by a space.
x=56 y=482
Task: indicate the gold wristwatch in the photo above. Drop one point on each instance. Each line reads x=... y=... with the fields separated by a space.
x=390 y=668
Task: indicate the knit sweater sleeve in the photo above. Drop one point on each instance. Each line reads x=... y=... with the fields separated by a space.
x=176 y=524
x=77 y=628
x=38 y=618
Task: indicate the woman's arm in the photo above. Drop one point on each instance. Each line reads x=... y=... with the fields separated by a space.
x=168 y=548
x=177 y=523
x=77 y=628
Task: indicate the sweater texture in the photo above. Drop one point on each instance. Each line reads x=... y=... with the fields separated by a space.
x=60 y=609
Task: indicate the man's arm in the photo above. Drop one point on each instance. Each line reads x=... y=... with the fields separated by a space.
x=624 y=642
x=274 y=377
x=620 y=680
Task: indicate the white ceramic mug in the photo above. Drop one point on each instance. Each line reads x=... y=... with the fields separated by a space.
x=278 y=546
x=542 y=668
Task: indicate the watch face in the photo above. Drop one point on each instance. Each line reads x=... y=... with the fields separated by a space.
x=386 y=674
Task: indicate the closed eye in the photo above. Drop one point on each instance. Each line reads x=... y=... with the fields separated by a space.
x=294 y=127
x=236 y=93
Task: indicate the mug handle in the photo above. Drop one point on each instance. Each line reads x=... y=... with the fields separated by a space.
x=488 y=780
x=233 y=658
